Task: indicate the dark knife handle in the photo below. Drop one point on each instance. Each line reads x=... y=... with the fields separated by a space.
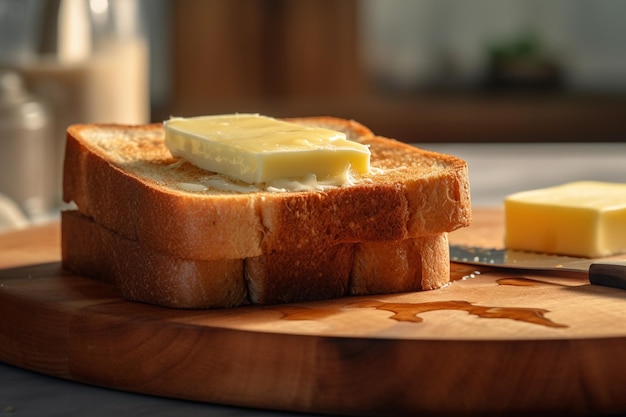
x=608 y=273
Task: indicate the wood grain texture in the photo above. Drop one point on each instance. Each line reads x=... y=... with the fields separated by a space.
x=492 y=343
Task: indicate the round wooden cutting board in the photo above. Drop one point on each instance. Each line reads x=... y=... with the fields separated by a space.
x=489 y=343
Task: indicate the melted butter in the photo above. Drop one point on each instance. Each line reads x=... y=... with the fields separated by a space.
x=261 y=150
x=310 y=183
x=191 y=187
x=224 y=184
x=221 y=183
x=410 y=312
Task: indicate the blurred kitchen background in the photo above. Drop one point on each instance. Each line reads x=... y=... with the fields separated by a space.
x=422 y=71
x=417 y=70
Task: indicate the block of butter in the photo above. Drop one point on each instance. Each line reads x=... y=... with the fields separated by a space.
x=585 y=218
x=258 y=149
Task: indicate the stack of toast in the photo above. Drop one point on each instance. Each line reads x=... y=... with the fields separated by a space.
x=154 y=226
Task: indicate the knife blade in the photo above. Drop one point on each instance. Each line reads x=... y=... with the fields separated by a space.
x=605 y=272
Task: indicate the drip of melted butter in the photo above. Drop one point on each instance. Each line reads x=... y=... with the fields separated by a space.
x=410 y=312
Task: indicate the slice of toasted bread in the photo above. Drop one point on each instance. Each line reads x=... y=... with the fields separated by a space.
x=147 y=275
x=126 y=180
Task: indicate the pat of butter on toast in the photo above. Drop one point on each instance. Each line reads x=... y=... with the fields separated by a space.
x=263 y=150
x=585 y=218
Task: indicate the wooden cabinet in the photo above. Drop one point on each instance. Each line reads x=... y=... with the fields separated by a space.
x=303 y=58
x=268 y=49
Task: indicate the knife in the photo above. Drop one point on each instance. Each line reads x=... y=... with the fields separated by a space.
x=606 y=272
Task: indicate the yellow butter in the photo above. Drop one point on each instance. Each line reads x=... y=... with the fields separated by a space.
x=258 y=149
x=584 y=218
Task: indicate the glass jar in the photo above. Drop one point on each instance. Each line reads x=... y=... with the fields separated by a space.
x=88 y=59
x=28 y=174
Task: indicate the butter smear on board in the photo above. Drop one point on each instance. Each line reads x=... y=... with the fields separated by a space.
x=585 y=218
x=261 y=150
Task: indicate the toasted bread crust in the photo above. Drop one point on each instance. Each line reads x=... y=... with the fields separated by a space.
x=147 y=275
x=107 y=172
x=400 y=266
x=302 y=275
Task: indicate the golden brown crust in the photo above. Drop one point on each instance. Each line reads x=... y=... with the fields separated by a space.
x=405 y=265
x=367 y=212
x=301 y=275
x=150 y=276
x=146 y=275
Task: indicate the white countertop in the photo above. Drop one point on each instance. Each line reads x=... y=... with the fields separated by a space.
x=495 y=171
